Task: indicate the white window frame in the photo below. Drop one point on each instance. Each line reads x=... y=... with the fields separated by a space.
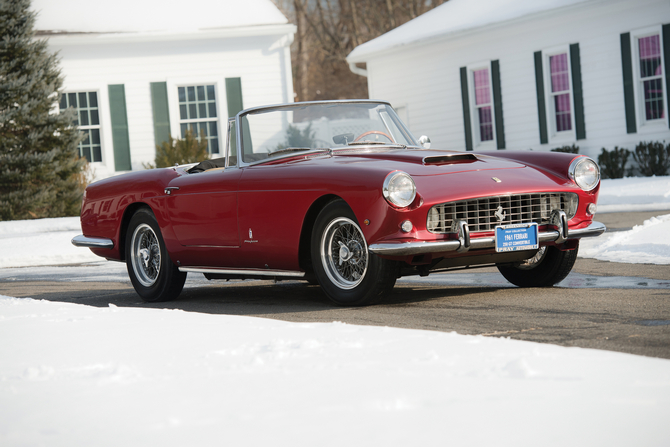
x=554 y=135
x=645 y=125
x=474 y=116
x=104 y=120
x=173 y=85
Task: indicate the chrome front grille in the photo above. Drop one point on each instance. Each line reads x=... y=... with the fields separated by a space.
x=486 y=213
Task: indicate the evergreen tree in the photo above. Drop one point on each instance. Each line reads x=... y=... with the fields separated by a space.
x=40 y=168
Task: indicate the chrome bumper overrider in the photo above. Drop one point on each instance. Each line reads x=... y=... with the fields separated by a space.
x=92 y=242
x=419 y=248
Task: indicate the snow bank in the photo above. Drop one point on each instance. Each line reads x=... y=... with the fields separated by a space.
x=634 y=194
x=77 y=375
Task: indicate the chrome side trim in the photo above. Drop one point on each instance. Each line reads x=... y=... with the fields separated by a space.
x=254 y=272
x=92 y=242
x=423 y=247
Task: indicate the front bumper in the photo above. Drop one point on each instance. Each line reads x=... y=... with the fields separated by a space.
x=424 y=247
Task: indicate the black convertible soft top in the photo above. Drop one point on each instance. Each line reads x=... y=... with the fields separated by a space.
x=208 y=164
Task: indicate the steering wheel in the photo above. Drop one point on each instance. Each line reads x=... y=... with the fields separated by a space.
x=370 y=132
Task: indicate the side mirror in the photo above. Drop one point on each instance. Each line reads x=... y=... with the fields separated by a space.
x=425 y=141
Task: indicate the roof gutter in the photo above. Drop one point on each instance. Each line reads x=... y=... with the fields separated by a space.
x=357 y=70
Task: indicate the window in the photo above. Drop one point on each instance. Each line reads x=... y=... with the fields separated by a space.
x=481 y=94
x=483 y=105
x=560 y=92
x=88 y=120
x=650 y=83
x=198 y=112
x=560 y=100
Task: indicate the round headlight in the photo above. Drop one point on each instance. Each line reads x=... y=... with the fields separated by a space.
x=399 y=189
x=585 y=172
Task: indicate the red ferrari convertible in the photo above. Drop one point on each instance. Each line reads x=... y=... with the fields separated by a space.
x=340 y=193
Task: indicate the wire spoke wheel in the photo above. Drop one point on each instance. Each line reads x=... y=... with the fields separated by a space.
x=145 y=255
x=153 y=274
x=344 y=253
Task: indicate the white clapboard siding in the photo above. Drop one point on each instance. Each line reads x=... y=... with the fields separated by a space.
x=423 y=77
x=261 y=61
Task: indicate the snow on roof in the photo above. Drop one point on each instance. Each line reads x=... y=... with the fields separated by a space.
x=452 y=17
x=137 y=16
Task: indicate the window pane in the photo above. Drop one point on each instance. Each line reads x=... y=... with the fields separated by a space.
x=192 y=111
x=191 y=93
x=93 y=99
x=182 y=112
x=563 y=115
x=201 y=93
x=214 y=145
x=210 y=93
x=97 y=153
x=560 y=77
x=653 y=99
x=202 y=110
x=95 y=136
x=83 y=118
x=182 y=94
x=213 y=129
x=95 y=119
x=63 y=102
x=485 y=124
x=183 y=130
x=212 y=110
x=72 y=99
x=482 y=90
x=82 y=100
x=650 y=56
x=86 y=152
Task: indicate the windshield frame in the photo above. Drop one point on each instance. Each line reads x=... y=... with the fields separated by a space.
x=407 y=134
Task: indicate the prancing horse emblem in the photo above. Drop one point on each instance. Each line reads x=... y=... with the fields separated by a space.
x=500 y=214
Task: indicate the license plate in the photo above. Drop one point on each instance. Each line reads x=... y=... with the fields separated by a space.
x=516 y=237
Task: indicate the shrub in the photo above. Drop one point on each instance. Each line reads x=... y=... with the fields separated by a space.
x=184 y=151
x=569 y=149
x=653 y=158
x=613 y=163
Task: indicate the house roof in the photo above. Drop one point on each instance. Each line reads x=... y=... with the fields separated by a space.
x=453 y=17
x=142 y=16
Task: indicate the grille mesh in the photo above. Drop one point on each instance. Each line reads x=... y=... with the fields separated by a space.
x=484 y=214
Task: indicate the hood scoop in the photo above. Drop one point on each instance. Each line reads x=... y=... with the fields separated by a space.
x=449 y=159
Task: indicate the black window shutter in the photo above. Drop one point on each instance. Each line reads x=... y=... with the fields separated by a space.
x=234 y=96
x=577 y=93
x=497 y=104
x=159 y=105
x=666 y=59
x=628 y=95
x=119 y=118
x=466 y=108
x=539 y=88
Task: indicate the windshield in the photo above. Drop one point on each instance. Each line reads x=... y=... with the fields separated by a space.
x=278 y=131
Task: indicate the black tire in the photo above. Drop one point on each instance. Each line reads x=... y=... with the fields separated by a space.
x=154 y=276
x=550 y=266
x=346 y=271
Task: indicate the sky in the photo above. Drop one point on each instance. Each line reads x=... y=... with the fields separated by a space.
x=75 y=375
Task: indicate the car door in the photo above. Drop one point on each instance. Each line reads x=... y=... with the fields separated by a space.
x=203 y=206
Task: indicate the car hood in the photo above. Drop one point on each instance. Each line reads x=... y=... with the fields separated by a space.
x=421 y=162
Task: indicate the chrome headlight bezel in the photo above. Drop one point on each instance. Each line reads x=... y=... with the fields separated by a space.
x=585 y=173
x=399 y=189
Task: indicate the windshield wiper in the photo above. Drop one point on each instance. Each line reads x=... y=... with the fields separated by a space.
x=364 y=142
x=289 y=150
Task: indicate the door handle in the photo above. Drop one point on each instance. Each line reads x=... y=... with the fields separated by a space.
x=169 y=189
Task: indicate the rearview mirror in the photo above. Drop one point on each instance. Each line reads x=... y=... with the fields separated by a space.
x=425 y=141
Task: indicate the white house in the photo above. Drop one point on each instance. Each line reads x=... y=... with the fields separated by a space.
x=138 y=71
x=528 y=74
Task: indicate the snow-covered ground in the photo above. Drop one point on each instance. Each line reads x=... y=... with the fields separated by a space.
x=73 y=375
